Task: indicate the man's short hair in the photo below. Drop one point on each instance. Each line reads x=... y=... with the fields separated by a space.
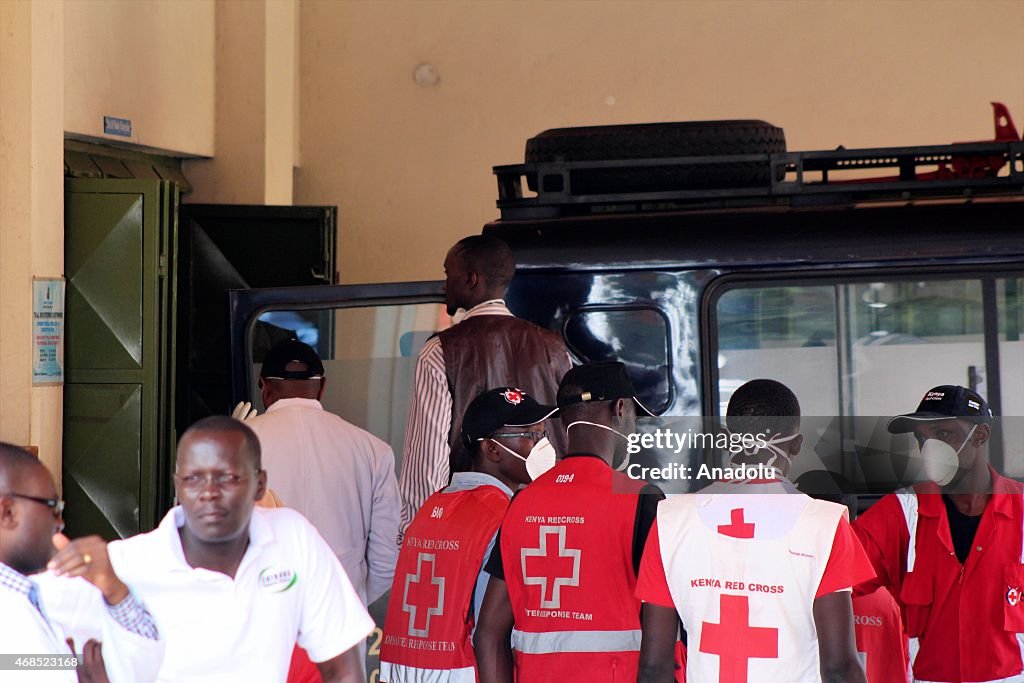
x=763 y=406
x=488 y=256
x=15 y=462
x=222 y=424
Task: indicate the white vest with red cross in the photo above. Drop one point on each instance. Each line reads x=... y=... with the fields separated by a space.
x=429 y=624
x=743 y=570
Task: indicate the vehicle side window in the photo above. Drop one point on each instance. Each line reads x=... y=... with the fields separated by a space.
x=637 y=336
x=861 y=349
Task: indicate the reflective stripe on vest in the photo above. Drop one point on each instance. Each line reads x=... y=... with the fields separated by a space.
x=908 y=501
x=554 y=642
x=399 y=673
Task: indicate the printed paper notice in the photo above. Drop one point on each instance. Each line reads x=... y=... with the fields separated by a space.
x=47 y=331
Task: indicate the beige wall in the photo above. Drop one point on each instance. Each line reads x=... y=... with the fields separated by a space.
x=255 y=131
x=149 y=61
x=31 y=212
x=410 y=166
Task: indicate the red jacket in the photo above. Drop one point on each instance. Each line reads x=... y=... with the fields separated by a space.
x=566 y=548
x=429 y=623
x=965 y=619
x=880 y=638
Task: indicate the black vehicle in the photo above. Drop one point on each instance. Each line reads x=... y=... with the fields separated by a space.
x=705 y=255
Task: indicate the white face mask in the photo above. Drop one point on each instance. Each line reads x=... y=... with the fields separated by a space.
x=625 y=461
x=941 y=461
x=770 y=444
x=540 y=460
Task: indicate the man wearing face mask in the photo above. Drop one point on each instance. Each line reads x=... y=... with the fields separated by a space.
x=759 y=573
x=560 y=603
x=950 y=549
x=486 y=347
x=440 y=582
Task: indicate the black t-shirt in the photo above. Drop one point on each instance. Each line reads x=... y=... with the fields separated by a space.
x=646 y=511
x=962 y=528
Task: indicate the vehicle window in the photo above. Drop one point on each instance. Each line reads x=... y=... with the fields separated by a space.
x=369 y=356
x=637 y=336
x=856 y=353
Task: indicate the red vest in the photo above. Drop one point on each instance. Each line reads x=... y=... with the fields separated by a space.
x=567 y=552
x=429 y=622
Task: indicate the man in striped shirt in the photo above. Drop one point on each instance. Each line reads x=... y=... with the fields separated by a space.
x=488 y=347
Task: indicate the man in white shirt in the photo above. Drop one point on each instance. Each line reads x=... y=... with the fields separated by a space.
x=232 y=587
x=488 y=347
x=340 y=477
x=80 y=597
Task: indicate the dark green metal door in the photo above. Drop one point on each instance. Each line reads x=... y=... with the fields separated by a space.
x=119 y=250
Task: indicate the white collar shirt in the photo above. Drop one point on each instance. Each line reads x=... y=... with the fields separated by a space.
x=40 y=612
x=342 y=479
x=288 y=588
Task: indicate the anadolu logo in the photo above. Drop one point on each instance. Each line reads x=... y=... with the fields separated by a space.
x=277 y=580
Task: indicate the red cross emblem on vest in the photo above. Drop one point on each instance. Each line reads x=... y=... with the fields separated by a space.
x=552 y=567
x=737 y=528
x=423 y=591
x=735 y=641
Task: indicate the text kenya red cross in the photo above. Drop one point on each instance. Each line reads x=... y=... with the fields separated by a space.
x=418 y=597
x=735 y=641
x=738 y=528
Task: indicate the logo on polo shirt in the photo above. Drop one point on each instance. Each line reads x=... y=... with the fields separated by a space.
x=1013 y=596
x=277 y=579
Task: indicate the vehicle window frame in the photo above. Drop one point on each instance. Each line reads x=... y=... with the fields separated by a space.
x=620 y=308
x=987 y=274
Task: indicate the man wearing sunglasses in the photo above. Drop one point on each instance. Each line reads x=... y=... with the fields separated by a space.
x=80 y=598
x=440 y=582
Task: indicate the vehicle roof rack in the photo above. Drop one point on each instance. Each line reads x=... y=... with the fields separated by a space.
x=962 y=170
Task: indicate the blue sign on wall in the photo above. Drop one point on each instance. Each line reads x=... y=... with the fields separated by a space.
x=115 y=126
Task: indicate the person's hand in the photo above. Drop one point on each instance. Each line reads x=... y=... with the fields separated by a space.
x=243 y=411
x=90 y=667
x=87 y=557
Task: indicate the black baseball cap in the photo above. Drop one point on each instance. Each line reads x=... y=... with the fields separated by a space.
x=291 y=351
x=502 y=407
x=942 y=403
x=604 y=381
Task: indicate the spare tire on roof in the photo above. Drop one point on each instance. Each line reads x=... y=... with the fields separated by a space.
x=659 y=140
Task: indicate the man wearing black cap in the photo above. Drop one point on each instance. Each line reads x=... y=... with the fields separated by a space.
x=950 y=549
x=564 y=572
x=340 y=477
x=440 y=581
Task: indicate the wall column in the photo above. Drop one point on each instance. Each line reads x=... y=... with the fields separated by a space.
x=31 y=211
x=255 y=126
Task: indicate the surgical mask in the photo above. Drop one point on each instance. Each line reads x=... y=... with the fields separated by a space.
x=941 y=461
x=770 y=444
x=540 y=460
x=625 y=461
x=459 y=314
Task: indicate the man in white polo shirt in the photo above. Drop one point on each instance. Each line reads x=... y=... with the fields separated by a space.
x=232 y=587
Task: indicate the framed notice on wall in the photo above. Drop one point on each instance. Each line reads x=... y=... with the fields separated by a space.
x=47 y=331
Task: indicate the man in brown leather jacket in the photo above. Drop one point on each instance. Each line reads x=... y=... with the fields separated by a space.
x=487 y=347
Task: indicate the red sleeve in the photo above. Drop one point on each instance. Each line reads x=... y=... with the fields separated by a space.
x=651 y=583
x=883 y=534
x=302 y=670
x=848 y=564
